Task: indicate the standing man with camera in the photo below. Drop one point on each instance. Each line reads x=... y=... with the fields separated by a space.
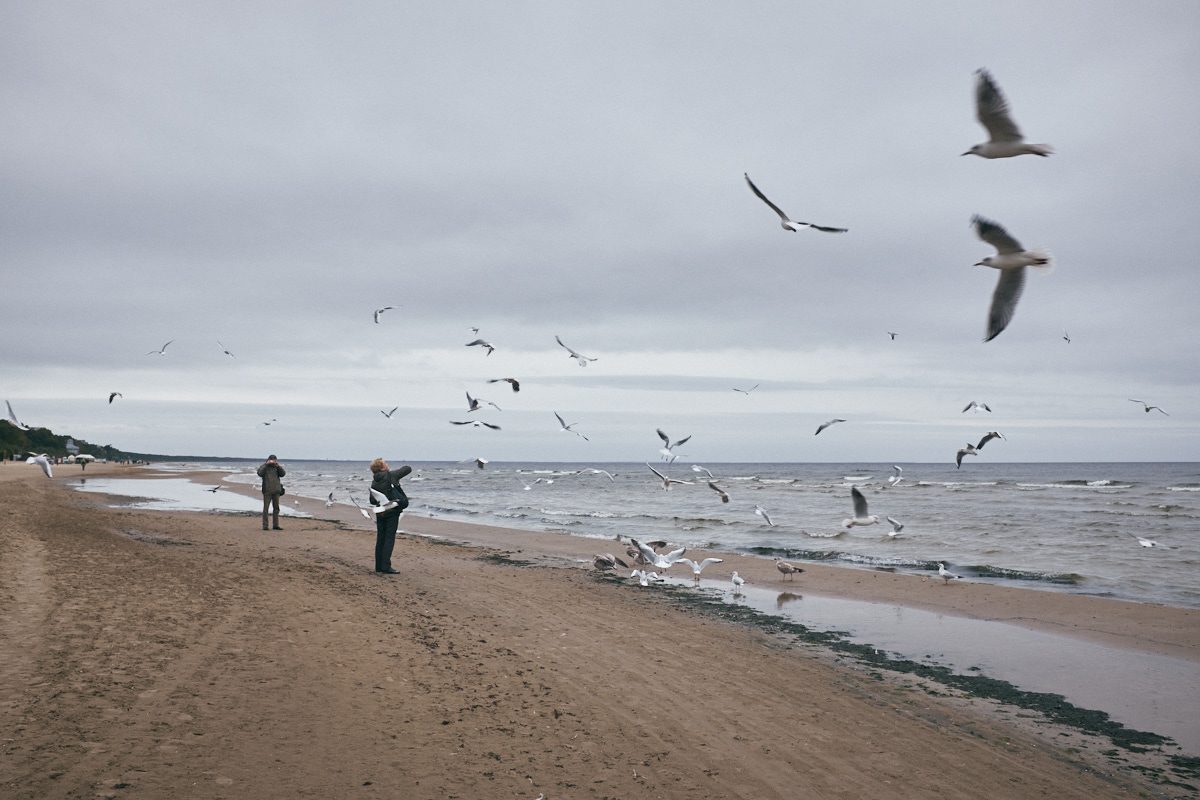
x=270 y=472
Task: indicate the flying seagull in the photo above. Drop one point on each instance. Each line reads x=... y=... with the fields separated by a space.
x=787 y=568
x=698 y=568
x=513 y=382
x=1147 y=407
x=1004 y=137
x=268 y=422
x=786 y=222
x=42 y=461
x=969 y=450
x=897 y=526
x=896 y=477
x=379 y=311
x=667 y=481
x=563 y=426
x=660 y=560
x=160 y=351
x=476 y=423
x=225 y=349
x=388 y=414
x=605 y=472
x=12 y=417
x=473 y=403
x=113 y=396
x=861 y=517
x=893 y=334
x=987 y=437
x=705 y=470
x=724 y=494
x=1011 y=259
x=825 y=425
x=762 y=512
x=214 y=489
x=480 y=463
x=746 y=391
x=668 y=445
x=481 y=343
x=582 y=359
x=974 y=406
x=1066 y=337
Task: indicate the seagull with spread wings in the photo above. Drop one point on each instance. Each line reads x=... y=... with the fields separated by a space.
x=513 y=382
x=579 y=357
x=476 y=423
x=565 y=428
x=786 y=222
x=825 y=425
x=861 y=516
x=481 y=343
x=1011 y=259
x=1004 y=137
x=666 y=482
x=1146 y=407
x=113 y=396
x=380 y=311
x=160 y=351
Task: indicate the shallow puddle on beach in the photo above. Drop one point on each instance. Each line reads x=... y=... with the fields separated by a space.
x=1143 y=691
x=177 y=494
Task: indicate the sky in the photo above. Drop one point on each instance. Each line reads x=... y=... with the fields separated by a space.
x=266 y=175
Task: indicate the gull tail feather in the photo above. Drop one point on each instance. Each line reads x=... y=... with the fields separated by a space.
x=1042 y=260
x=1042 y=150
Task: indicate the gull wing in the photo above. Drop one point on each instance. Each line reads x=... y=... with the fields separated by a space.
x=763 y=197
x=666 y=439
x=994 y=234
x=860 y=503
x=991 y=109
x=1004 y=301
x=826 y=228
x=684 y=440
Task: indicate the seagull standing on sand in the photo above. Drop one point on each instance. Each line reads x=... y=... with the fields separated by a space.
x=825 y=425
x=945 y=574
x=738 y=581
x=42 y=461
x=160 y=351
x=861 y=517
x=481 y=343
x=565 y=428
x=1004 y=137
x=969 y=450
x=976 y=406
x=698 y=568
x=762 y=512
x=786 y=222
x=113 y=396
x=379 y=311
x=787 y=568
x=1011 y=259
x=12 y=417
x=666 y=482
x=579 y=357
x=1147 y=407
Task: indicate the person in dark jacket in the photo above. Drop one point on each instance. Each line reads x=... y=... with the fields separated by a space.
x=384 y=478
x=270 y=472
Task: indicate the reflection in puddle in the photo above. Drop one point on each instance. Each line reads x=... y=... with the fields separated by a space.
x=178 y=494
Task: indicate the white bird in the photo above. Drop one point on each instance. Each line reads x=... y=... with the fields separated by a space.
x=481 y=343
x=1147 y=407
x=480 y=463
x=705 y=470
x=724 y=494
x=329 y=500
x=667 y=481
x=379 y=311
x=762 y=512
x=987 y=437
x=897 y=526
x=825 y=425
x=367 y=514
x=786 y=222
x=861 y=517
x=1011 y=259
x=698 y=568
x=42 y=461
x=473 y=403
x=513 y=382
x=1143 y=541
x=12 y=417
x=160 y=351
x=564 y=427
x=896 y=477
x=746 y=391
x=582 y=359
x=945 y=574
x=113 y=396
x=976 y=406
x=655 y=559
x=1004 y=137
x=604 y=472
x=385 y=503
x=476 y=423
x=738 y=581
x=969 y=450
x=668 y=448
x=787 y=568
x=644 y=577
x=1066 y=337
x=606 y=561
x=225 y=349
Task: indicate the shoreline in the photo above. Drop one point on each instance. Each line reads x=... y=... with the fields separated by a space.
x=190 y=649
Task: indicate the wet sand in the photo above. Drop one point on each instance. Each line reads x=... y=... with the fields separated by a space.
x=156 y=654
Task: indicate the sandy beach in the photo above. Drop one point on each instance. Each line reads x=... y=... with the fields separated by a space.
x=174 y=654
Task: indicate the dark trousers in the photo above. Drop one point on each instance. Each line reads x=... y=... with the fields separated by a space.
x=271 y=501
x=385 y=539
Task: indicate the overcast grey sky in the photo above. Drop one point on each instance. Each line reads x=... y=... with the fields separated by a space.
x=268 y=174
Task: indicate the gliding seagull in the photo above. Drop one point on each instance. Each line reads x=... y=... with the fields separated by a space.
x=861 y=517
x=159 y=351
x=582 y=359
x=42 y=461
x=1011 y=259
x=113 y=396
x=481 y=343
x=665 y=480
x=388 y=414
x=1004 y=137
x=569 y=428
x=1148 y=408
x=976 y=406
x=969 y=450
x=724 y=494
x=513 y=382
x=988 y=437
x=825 y=425
x=762 y=512
x=12 y=417
x=225 y=349
x=786 y=222
x=379 y=311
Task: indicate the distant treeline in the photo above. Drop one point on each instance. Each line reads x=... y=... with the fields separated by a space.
x=14 y=441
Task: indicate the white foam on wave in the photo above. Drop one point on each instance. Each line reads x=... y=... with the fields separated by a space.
x=1183 y=488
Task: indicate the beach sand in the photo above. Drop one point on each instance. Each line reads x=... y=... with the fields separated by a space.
x=171 y=654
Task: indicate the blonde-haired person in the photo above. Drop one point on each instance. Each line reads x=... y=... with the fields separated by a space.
x=385 y=480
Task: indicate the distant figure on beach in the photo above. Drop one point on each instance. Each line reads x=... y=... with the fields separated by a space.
x=385 y=481
x=270 y=472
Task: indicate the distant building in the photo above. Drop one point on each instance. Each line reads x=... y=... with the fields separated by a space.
x=72 y=448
